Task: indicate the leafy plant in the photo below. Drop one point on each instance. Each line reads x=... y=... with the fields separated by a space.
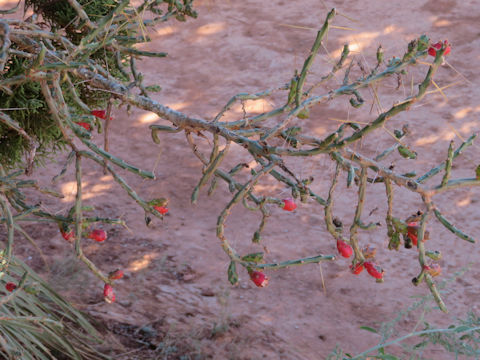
x=37 y=323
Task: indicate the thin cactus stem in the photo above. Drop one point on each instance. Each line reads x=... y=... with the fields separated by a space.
x=358 y=213
x=157 y=128
x=422 y=257
x=400 y=180
x=7 y=120
x=123 y=184
x=420 y=237
x=329 y=205
x=286 y=264
x=246 y=96
x=117 y=161
x=435 y=293
x=194 y=147
x=440 y=167
x=336 y=67
x=455 y=184
x=209 y=171
x=33 y=242
x=317 y=198
x=12 y=10
x=254 y=120
x=313 y=53
x=81 y=13
x=448 y=165
x=212 y=187
x=452 y=227
x=226 y=211
x=215 y=148
x=69 y=160
x=78 y=223
x=136 y=52
x=265 y=214
x=108 y=120
x=120 y=67
x=387 y=152
x=388 y=219
x=56 y=113
x=78 y=204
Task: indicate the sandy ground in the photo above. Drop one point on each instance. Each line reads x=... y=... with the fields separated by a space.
x=176 y=281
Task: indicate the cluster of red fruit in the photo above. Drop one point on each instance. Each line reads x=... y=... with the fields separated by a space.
x=432 y=50
x=108 y=293
x=101 y=114
x=98 y=235
x=373 y=270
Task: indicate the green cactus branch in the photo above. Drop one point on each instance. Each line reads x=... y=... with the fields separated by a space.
x=311 y=58
x=452 y=227
x=226 y=211
x=448 y=165
x=440 y=167
x=286 y=264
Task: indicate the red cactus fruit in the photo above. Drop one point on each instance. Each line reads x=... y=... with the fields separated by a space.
x=289 y=204
x=115 y=275
x=10 y=286
x=412 y=232
x=98 y=235
x=357 y=269
x=432 y=50
x=161 y=209
x=108 y=294
x=259 y=278
x=85 y=125
x=68 y=235
x=344 y=249
x=374 y=270
x=101 y=114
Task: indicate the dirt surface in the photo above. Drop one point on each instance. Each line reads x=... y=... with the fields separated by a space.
x=175 y=299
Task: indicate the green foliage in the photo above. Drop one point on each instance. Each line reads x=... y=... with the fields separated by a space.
x=25 y=100
x=37 y=323
x=61 y=15
x=28 y=108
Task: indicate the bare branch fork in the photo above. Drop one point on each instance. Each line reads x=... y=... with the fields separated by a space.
x=56 y=61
